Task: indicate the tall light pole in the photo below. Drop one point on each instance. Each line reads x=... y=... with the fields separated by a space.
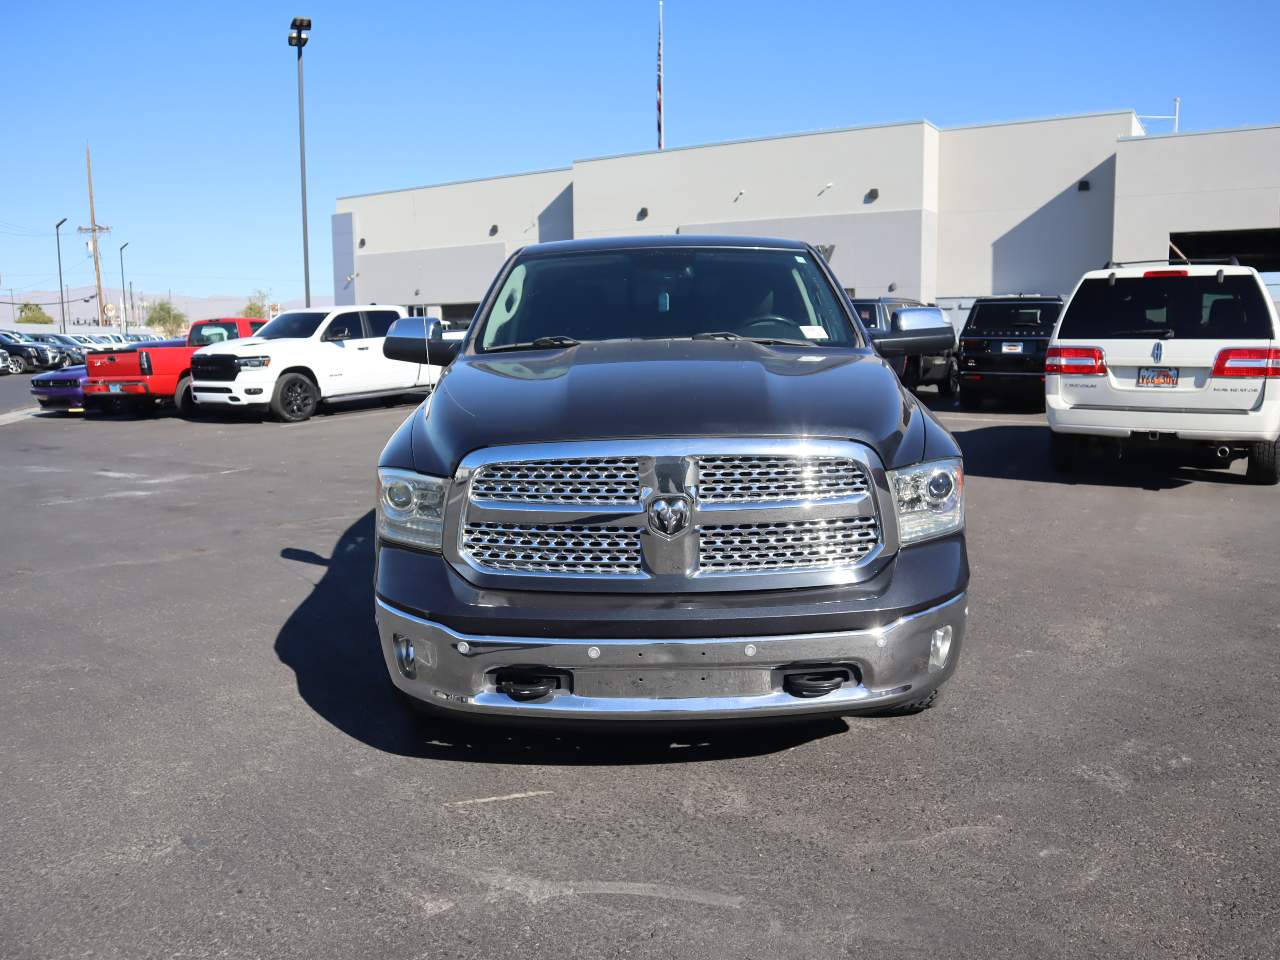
x=298 y=38
x=62 y=299
x=124 y=304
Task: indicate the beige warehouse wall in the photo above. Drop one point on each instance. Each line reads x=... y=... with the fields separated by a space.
x=1222 y=180
x=1011 y=218
x=757 y=180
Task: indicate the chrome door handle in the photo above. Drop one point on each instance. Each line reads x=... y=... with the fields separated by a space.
x=362 y=348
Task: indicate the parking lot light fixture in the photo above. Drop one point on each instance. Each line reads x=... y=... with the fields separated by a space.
x=298 y=39
x=62 y=294
x=124 y=303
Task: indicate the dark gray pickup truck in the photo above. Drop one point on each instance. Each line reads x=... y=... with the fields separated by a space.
x=669 y=478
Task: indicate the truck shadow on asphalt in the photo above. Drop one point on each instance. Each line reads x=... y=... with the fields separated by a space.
x=1021 y=452
x=331 y=644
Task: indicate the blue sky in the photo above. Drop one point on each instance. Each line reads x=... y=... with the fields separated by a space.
x=191 y=108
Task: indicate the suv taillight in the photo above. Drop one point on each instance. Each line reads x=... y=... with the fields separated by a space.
x=144 y=361
x=1247 y=362
x=1077 y=361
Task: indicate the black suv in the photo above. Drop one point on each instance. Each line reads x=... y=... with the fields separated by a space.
x=26 y=354
x=915 y=370
x=669 y=478
x=1002 y=347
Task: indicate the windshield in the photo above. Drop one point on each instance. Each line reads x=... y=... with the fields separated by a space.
x=1014 y=315
x=297 y=323
x=664 y=293
x=19 y=337
x=1188 y=308
x=213 y=332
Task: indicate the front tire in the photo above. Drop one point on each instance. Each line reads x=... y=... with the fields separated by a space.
x=909 y=708
x=18 y=364
x=1264 y=463
x=949 y=385
x=295 y=398
x=184 y=400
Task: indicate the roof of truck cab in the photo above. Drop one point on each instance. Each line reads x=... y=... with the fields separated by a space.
x=660 y=242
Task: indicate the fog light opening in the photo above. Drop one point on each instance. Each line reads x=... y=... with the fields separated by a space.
x=940 y=648
x=406 y=660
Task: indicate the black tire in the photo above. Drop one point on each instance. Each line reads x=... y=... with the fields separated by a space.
x=185 y=401
x=295 y=398
x=971 y=398
x=18 y=363
x=949 y=385
x=1063 y=451
x=910 y=707
x=1264 y=463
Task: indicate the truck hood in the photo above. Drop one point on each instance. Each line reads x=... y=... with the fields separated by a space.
x=664 y=388
x=252 y=346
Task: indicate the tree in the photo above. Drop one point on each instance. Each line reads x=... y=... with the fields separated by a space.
x=257 y=305
x=31 y=313
x=166 y=318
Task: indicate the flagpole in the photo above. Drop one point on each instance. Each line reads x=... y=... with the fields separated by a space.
x=661 y=119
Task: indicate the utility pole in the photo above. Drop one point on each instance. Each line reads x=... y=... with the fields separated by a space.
x=132 y=309
x=93 y=230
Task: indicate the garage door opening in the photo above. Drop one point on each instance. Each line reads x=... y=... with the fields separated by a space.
x=1259 y=249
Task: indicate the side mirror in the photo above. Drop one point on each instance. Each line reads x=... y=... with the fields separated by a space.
x=418 y=340
x=337 y=332
x=916 y=331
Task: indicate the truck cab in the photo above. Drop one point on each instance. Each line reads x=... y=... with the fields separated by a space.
x=145 y=374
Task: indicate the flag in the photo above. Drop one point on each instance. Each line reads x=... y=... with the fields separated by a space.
x=660 y=129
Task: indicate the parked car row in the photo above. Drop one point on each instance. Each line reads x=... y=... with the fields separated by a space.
x=287 y=366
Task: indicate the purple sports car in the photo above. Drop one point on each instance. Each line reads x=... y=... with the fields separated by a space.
x=60 y=389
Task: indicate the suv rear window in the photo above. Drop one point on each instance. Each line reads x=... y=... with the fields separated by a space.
x=1187 y=308
x=1003 y=317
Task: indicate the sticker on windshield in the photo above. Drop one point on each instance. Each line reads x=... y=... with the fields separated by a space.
x=800 y=259
x=815 y=333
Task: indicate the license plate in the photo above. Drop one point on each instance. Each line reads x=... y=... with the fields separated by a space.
x=113 y=388
x=1158 y=376
x=1011 y=348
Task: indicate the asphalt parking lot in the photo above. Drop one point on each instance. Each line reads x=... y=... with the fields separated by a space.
x=201 y=758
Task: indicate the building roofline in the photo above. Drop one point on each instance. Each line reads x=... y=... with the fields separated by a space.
x=456 y=183
x=1049 y=119
x=1202 y=133
x=765 y=139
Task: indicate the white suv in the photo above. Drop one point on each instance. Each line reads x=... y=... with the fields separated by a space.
x=1180 y=355
x=303 y=357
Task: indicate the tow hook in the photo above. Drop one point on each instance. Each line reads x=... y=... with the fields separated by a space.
x=808 y=684
x=526 y=686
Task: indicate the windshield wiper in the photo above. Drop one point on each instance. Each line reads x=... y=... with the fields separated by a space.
x=730 y=335
x=537 y=343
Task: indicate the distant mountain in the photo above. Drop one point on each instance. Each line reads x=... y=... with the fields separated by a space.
x=82 y=317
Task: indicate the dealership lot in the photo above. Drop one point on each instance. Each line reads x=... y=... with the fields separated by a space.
x=202 y=757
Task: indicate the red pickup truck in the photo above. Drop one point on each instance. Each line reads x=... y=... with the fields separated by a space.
x=155 y=372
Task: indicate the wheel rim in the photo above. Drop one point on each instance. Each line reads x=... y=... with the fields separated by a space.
x=297 y=398
x=15 y=365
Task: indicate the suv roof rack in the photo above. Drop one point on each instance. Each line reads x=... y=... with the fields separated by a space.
x=1186 y=261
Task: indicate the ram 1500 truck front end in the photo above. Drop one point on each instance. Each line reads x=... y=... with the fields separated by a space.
x=694 y=523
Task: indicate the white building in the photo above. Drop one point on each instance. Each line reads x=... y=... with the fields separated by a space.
x=935 y=214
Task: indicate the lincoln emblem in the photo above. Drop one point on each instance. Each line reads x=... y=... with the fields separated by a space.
x=1157 y=352
x=669 y=515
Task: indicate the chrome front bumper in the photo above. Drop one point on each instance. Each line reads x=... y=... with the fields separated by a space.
x=716 y=678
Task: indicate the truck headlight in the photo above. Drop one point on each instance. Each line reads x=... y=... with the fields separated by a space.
x=929 y=499
x=411 y=508
x=252 y=363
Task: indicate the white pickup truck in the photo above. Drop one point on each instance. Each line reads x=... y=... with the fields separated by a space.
x=305 y=357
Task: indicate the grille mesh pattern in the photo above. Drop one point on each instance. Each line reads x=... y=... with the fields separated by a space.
x=598 y=481
x=535 y=548
x=803 y=545
x=741 y=479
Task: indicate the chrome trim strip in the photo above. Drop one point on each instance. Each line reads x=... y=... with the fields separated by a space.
x=1105 y=408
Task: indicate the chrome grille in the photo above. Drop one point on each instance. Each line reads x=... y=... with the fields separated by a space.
x=756 y=479
x=595 y=481
x=801 y=545
x=761 y=513
x=547 y=548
